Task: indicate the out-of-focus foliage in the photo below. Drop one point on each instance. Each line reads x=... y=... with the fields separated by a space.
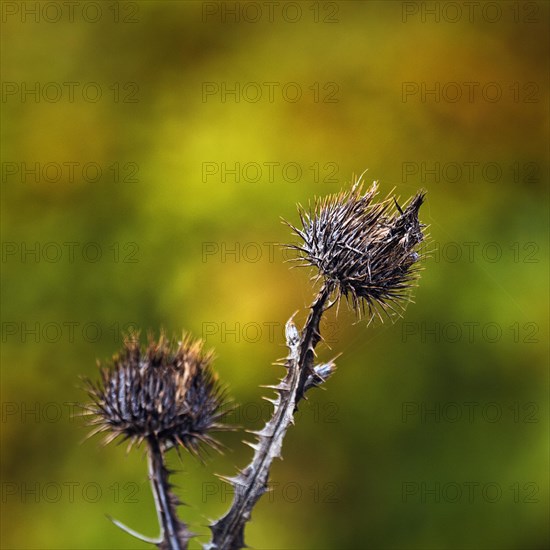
x=369 y=463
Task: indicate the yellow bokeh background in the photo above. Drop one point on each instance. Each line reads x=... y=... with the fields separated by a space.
x=426 y=419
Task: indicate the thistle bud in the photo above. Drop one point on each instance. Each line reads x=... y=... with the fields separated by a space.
x=364 y=250
x=166 y=391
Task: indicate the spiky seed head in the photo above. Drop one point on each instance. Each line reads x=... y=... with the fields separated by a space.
x=364 y=250
x=166 y=390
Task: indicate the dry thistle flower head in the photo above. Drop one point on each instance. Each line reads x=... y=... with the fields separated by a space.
x=364 y=250
x=166 y=391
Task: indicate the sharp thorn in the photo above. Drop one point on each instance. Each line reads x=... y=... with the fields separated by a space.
x=135 y=534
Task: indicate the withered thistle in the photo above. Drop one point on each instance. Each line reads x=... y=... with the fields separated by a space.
x=364 y=250
x=167 y=395
x=166 y=391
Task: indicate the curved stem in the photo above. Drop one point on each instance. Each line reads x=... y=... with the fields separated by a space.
x=251 y=483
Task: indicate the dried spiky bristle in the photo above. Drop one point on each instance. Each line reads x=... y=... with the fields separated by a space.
x=167 y=391
x=366 y=251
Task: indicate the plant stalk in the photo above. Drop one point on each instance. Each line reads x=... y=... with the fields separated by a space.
x=251 y=483
x=174 y=533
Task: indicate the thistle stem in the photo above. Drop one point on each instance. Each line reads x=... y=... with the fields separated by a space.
x=251 y=483
x=311 y=336
x=170 y=525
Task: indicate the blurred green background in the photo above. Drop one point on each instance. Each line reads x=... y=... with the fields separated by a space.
x=433 y=433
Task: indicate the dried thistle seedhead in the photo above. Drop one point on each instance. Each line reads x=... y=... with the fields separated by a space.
x=364 y=250
x=166 y=391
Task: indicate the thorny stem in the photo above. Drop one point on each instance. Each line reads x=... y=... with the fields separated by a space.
x=310 y=338
x=171 y=527
x=251 y=483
